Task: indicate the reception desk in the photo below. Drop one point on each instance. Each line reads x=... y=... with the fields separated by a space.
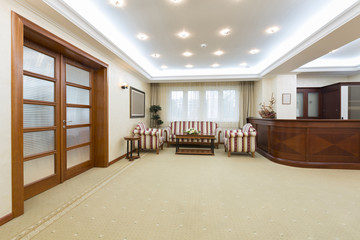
x=319 y=143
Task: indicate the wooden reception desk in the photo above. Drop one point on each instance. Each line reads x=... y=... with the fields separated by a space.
x=321 y=143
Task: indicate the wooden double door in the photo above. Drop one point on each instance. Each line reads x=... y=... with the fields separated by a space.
x=57 y=118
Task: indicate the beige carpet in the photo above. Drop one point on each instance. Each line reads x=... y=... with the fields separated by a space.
x=170 y=196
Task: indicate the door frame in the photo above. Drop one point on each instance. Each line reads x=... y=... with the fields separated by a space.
x=22 y=28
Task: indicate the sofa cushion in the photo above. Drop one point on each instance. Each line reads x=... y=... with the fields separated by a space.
x=205 y=127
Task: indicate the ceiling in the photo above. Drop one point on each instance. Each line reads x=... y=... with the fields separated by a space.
x=300 y=25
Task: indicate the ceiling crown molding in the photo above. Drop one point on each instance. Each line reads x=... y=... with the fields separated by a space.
x=349 y=14
x=65 y=10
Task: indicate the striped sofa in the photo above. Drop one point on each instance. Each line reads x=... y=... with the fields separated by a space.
x=150 y=138
x=205 y=127
x=241 y=140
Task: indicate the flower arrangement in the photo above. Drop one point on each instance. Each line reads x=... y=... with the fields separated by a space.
x=192 y=131
x=268 y=111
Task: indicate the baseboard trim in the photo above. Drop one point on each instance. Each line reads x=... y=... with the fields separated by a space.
x=6 y=219
x=117 y=159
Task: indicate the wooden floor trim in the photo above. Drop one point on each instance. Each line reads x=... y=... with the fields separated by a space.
x=6 y=219
x=117 y=159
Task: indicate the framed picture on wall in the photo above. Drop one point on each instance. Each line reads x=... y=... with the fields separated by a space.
x=137 y=103
x=286 y=98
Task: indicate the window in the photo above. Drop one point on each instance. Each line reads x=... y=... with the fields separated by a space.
x=193 y=105
x=176 y=104
x=212 y=104
x=229 y=106
x=220 y=104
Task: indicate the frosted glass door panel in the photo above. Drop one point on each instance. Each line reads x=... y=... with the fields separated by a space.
x=300 y=105
x=313 y=104
x=38 y=89
x=39 y=168
x=76 y=95
x=354 y=102
x=77 y=75
x=76 y=116
x=76 y=136
x=38 y=142
x=77 y=156
x=38 y=116
x=38 y=62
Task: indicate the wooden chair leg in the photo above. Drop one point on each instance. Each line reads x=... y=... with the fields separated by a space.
x=157 y=151
x=229 y=153
x=162 y=146
x=253 y=154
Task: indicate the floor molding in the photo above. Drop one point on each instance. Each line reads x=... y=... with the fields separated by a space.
x=6 y=218
x=119 y=158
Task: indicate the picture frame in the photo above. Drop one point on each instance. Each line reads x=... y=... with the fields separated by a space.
x=137 y=103
x=286 y=98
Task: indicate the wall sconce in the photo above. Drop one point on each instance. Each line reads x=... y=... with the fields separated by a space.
x=124 y=86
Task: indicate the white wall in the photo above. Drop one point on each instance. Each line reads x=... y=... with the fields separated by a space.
x=120 y=124
x=285 y=84
x=277 y=85
x=355 y=78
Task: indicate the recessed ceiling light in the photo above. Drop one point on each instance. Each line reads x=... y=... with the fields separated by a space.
x=119 y=3
x=254 y=51
x=164 y=67
x=142 y=36
x=272 y=30
x=155 y=55
x=183 y=34
x=176 y=1
x=225 y=31
x=243 y=64
x=335 y=50
x=187 y=54
x=189 y=66
x=219 y=53
x=215 y=65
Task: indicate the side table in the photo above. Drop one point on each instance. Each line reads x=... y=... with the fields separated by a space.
x=129 y=154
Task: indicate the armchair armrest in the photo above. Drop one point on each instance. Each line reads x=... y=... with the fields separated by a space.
x=167 y=131
x=152 y=131
x=217 y=134
x=235 y=134
x=138 y=131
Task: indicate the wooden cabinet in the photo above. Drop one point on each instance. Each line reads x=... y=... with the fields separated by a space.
x=308 y=103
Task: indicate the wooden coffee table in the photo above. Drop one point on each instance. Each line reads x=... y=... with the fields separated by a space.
x=184 y=136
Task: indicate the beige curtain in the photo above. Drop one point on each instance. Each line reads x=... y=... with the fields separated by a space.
x=246 y=101
x=154 y=92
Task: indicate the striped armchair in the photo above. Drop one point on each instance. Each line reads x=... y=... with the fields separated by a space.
x=205 y=127
x=150 y=138
x=241 y=140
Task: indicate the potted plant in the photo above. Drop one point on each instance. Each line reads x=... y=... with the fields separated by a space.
x=268 y=111
x=155 y=117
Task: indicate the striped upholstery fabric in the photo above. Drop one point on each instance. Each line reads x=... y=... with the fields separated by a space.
x=233 y=140
x=150 y=138
x=205 y=127
x=249 y=137
x=241 y=140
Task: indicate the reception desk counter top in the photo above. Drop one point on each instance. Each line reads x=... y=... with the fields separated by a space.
x=322 y=143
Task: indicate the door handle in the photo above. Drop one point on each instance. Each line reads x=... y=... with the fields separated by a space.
x=65 y=123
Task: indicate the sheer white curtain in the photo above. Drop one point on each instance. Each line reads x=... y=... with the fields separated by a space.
x=218 y=102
